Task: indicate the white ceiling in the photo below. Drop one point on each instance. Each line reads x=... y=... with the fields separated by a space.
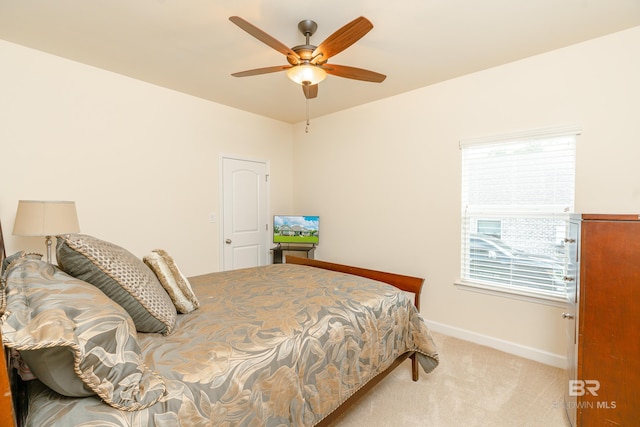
x=191 y=46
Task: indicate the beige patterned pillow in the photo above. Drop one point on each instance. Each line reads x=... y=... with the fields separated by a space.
x=74 y=338
x=122 y=277
x=173 y=281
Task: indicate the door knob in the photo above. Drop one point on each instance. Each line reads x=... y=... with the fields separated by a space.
x=228 y=241
x=567 y=316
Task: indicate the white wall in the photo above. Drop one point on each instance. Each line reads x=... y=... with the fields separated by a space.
x=386 y=176
x=141 y=162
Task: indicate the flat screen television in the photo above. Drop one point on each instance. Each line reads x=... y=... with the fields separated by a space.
x=296 y=229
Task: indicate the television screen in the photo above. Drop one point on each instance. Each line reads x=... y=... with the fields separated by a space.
x=296 y=229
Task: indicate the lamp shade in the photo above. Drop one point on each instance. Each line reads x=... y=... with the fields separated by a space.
x=306 y=74
x=45 y=218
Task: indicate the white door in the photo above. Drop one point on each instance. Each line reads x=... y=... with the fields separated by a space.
x=244 y=213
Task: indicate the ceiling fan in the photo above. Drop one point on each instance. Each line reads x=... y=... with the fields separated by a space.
x=308 y=63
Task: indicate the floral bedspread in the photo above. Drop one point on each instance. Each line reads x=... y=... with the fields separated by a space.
x=270 y=346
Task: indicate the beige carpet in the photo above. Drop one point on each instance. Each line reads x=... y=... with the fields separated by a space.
x=473 y=386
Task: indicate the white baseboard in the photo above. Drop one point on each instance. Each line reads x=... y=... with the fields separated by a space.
x=557 y=360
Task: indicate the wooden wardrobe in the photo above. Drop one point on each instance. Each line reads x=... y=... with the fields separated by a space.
x=603 y=321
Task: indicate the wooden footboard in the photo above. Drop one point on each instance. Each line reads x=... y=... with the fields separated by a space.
x=405 y=283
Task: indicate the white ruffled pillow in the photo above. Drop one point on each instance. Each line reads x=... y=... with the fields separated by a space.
x=173 y=281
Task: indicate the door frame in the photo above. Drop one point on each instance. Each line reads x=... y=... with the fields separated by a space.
x=221 y=222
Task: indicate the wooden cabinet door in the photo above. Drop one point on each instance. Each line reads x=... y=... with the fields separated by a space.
x=609 y=323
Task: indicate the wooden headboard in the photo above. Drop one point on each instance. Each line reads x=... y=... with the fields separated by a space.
x=7 y=413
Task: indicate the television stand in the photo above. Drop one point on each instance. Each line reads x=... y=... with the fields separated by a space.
x=282 y=250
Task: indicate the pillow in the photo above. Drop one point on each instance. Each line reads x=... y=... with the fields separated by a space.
x=21 y=254
x=120 y=275
x=74 y=338
x=6 y=262
x=173 y=281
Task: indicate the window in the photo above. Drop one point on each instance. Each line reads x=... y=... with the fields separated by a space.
x=517 y=194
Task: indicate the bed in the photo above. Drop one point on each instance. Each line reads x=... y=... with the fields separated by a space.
x=283 y=344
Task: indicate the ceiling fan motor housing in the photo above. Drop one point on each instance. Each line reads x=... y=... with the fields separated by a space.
x=304 y=51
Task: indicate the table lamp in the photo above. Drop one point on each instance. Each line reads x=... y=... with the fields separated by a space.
x=45 y=218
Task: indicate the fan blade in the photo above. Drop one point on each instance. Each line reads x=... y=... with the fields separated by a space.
x=310 y=91
x=264 y=70
x=263 y=37
x=342 y=39
x=354 y=73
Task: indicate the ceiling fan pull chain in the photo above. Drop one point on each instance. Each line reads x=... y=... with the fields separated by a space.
x=306 y=129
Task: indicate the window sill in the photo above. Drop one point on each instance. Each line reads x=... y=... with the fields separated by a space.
x=534 y=297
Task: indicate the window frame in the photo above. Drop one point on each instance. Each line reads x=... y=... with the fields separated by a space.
x=465 y=282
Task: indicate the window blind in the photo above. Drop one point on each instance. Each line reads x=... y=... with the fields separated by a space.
x=517 y=195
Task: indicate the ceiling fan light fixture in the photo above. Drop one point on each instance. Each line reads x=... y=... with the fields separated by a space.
x=306 y=74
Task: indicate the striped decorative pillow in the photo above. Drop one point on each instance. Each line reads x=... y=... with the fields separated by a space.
x=173 y=281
